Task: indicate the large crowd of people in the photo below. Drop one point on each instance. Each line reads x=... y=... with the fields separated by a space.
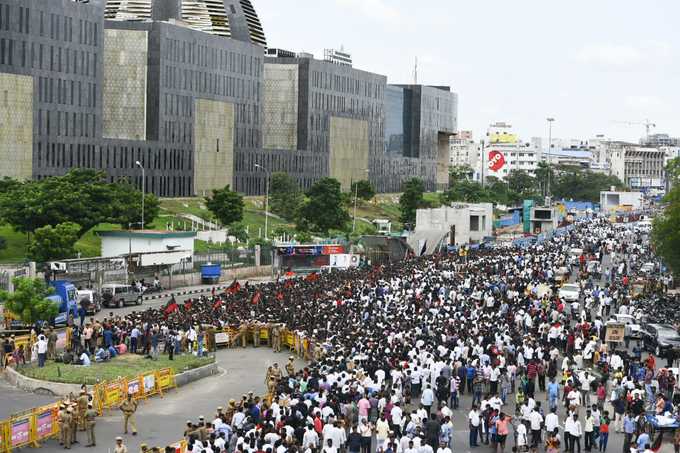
x=416 y=351
x=409 y=346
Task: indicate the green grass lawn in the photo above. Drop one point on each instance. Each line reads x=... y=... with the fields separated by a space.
x=127 y=365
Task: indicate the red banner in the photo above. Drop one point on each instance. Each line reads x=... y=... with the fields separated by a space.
x=332 y=249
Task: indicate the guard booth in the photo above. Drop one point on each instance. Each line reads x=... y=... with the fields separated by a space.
x=292 y=258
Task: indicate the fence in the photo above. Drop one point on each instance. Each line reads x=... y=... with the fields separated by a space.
x=29 y=427
x=39 y=424
x=110 y=394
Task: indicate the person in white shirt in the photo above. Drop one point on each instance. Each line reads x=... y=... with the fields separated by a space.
x=427 y=399
x=573 y=432
x=535 y=422
x=474 y=421
x=310 y=438
x=552 y=421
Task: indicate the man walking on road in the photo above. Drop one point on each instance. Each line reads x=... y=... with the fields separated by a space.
x=129 y=407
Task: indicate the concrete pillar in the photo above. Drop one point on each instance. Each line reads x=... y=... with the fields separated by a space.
x=258 y=251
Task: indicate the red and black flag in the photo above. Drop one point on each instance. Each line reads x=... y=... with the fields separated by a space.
x=257 y=297
x=312 y=277
x=234 y=287
x=171 y=308
x=279 y=295
x=217 y=304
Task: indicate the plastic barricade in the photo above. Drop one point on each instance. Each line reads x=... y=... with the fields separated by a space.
x=45 y=422
x=133 y=386
x=21 y=431
x=4 y=436
x=149 y=384
x=165 y=379
x=113 y=393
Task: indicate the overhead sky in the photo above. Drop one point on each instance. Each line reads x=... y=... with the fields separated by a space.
x=587 y=63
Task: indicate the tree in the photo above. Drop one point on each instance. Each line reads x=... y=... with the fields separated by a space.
x=666 y=227
x=458 y=173
x=226 y=205
x=521 y=182
x=238 y=230
x=411 y=200
x=363 y=189
x=52 y=243
x=127 y=205
x=574 y=183
x=285 y=196
x=82 y=196
x=29 y=300
x=3 y=243
x=323 y=210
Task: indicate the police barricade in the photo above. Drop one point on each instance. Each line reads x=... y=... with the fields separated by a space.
x=149 y=384
x=180 y=447
x=45 y=422
x=21 y=431
x=4 y=435
x=165 y=379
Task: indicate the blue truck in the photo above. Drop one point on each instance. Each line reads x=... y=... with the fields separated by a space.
x=210 y=273
x=66 y=296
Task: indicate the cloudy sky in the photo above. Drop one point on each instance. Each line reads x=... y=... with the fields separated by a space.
x=588 y=63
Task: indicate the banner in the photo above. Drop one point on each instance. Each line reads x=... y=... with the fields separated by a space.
x=45 y=423
x=112 y=396
x=165 y=378
x=133 y=387
x=4 y=428
x=20 y=432
x=149 y=383
x=615 y=333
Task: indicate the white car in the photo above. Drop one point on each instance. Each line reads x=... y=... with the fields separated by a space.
x=647 y=268
x=570 y=292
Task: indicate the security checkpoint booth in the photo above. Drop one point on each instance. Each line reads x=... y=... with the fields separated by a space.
x=291 y=258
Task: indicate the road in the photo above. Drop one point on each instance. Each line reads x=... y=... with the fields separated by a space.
x=166 y=295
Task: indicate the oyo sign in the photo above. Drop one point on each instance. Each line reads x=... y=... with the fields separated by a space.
x=496 y=160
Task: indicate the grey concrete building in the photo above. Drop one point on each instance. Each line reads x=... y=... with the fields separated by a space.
x=76 y=92
x=356 y=125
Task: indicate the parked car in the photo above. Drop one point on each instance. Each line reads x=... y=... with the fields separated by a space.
x=660 y=338
x=89 y=300
x=569 y=292
x=647 y=268
x=117 y=295
x=633 y=329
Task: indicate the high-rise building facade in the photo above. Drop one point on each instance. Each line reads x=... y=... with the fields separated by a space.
x=192 y=98
x=236 y=19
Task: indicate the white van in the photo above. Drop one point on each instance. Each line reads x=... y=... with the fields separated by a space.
x=116 y=295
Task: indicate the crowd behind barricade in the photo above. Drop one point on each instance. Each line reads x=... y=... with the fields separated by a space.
x=398 y=351
x=408 y=344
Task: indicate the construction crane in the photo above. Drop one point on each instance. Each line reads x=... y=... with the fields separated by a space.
x=646 y=123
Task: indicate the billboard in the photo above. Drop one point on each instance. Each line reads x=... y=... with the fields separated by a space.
x=496 y=160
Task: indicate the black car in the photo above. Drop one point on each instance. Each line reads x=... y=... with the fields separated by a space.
x=660 y=338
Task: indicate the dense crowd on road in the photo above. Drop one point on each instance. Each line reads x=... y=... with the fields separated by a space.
x=409 y=344
x=407 y=347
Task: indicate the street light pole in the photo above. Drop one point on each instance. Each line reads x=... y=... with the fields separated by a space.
x=550 y=121
x=266 y=200
x=143 y=190
x=356 y=195
x=481 y=144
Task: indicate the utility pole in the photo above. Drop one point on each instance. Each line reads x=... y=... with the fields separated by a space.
x=143 y=190
x=266 y=199
x=481 y=147
x=550 y=121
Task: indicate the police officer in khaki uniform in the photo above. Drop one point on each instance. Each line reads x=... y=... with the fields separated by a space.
x=129 y=407
x=66 y=422
x=61 y=415
x=290 y=368
x=120 y=447
x=82 y=402
x=144 y=448
x=276 y=338
x=90 y=421
x=243 y=334
x=256 y=334
x=74 y=422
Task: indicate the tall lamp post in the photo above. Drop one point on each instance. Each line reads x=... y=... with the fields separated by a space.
x=550 y=121
x=266 y=199
x=129 y=261
x=356 y=196
x=143 y=189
